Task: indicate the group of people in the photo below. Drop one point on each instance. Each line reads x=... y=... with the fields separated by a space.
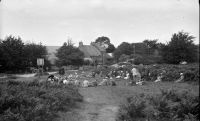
x=69 y=80
x=133 y=77
x=72 y=80
x=138 y=75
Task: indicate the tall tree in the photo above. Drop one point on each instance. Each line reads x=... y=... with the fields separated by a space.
x=180 y=48
x=105 y=41
x=11 y=57
x=69 y=55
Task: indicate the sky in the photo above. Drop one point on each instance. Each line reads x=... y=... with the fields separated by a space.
x=53 y=22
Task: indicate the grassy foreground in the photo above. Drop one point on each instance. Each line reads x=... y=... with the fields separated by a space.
x=35 y=101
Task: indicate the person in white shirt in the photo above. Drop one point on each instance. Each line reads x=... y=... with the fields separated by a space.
x=136 y=75
x=181 y=78
x=85 y=83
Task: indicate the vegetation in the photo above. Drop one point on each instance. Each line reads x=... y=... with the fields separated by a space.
x=180 y=48
x=35 y=101
x=69 y=55
x=146 y=52
x=34 y=51
x=124 y=48
x=147 y=60
x=124 y=58
x=12 y=53
x=105 y=41
x=171 y=72
x=15 y=56
x=170 y=105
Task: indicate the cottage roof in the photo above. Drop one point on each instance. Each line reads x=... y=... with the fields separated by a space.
x=89 y=51
x=99 y=47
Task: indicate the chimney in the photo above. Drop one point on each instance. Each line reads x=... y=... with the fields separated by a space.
x=80 y=44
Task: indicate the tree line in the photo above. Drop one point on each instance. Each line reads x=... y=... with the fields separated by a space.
x=15 y=56
x=180 y=48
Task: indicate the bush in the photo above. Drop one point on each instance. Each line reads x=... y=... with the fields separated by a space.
x=104 y=69
x=35 y=101
x=133 y=110
x=170 y=105
x=172 y=72
x=147 y=60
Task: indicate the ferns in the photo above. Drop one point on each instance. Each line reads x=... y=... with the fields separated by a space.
x=167 y=106
x=35 y=101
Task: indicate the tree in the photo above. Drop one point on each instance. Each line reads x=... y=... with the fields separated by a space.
x=15 y=56
x=110 y=49
x=124 y=57
x=33 y=51
x=1 y=54
x=69 y=55
x=123 y=48
x=180 y=48
x=152 y=45
x=105 y=41
x=102 y=40
x=11 y=57
x=139 y=48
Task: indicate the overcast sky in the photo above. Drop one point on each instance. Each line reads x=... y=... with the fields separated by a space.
x=53 y=21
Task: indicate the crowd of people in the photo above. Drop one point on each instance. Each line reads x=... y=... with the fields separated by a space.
x=133 y=76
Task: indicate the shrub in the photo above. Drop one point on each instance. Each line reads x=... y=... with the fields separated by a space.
x=104 y=69
x=133 y=110
x=170 y=105
x=172 y=72
x=35 y=101
x=147 y=60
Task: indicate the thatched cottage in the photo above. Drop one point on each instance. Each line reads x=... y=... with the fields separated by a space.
x=94 y=52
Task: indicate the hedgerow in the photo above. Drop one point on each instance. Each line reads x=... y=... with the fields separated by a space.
x=35 y=101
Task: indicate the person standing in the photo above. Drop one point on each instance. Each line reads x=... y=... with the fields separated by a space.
x=136 y=75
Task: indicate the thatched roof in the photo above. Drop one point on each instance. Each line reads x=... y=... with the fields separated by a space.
x=100 y=48
x=89 y=51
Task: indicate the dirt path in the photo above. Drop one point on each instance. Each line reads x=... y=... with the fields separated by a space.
x=99 y=104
